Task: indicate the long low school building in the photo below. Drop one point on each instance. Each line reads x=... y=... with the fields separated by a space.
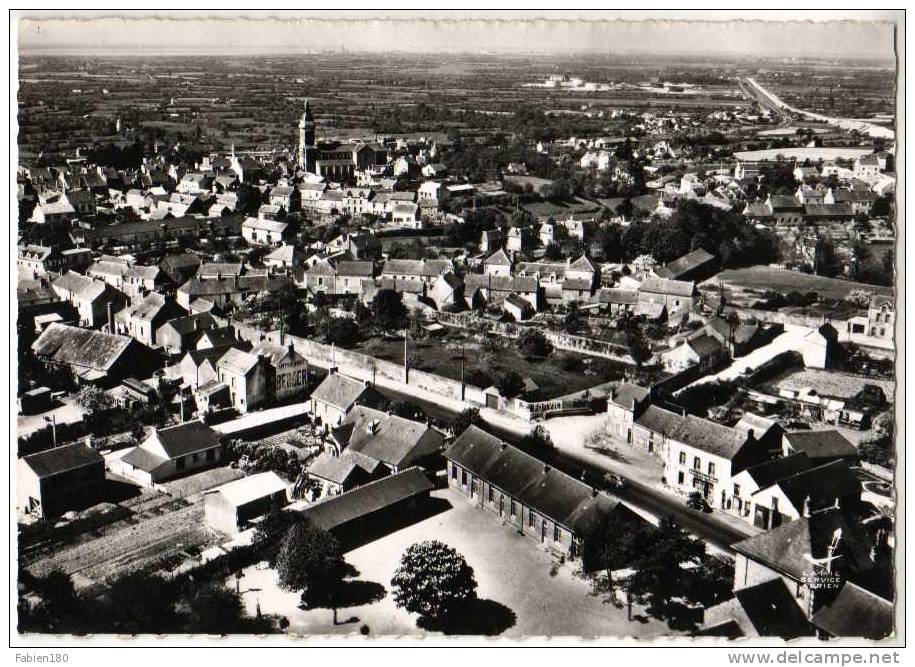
x=540 y=502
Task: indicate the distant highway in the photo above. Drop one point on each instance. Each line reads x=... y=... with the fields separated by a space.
x=773 y=102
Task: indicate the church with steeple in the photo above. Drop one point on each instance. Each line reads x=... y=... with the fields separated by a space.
x=334 y=160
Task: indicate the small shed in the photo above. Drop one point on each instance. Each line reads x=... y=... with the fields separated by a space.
x=230 y=507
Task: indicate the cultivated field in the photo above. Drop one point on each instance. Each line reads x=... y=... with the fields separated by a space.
x=764 y=278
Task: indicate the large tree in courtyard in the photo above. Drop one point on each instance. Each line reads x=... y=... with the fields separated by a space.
x=310 y=560
x=433 y=579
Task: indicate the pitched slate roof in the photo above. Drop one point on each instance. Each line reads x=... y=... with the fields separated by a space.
x=340 y=391
x=772 y=611
x=685 y=264
x=61 y=459
x=522 y=284
x=626 y=395
x=338 y=469
x=789 y=547
x=823 y=485
x=618 y=296
x=80 y=286
x=338 y=511
x=220 y=336
x=498 y=258
x=547 y=491
x=694 y=431
x=186 y=438
x=821 y=444
x=387 y=438
x=856 y=612
x=416 y=267
x=767 y=473
x=667 y=286
x=237 y=361
x=80 y=347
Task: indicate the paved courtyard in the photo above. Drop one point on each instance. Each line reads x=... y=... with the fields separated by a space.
x=511 y=570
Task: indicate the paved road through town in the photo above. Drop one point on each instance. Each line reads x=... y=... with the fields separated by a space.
x=653 y=501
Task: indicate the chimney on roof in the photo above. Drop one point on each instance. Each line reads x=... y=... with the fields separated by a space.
x=546 y=468
x=110 y=317
x=594 y=492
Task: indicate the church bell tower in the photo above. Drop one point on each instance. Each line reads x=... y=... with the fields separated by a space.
x=306 y=152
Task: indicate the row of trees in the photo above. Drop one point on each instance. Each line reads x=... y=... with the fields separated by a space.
x=665 y=565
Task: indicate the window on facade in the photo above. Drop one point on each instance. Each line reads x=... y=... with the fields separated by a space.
x=737 y=489
x=680 y=477
x=697 y=464
x=557 y=533
x=179 y=463
x=195 y=458
x=463 y=478
x=512 y=508
x=489 y=496
x=211 y=455
x=711 y=468
x=453 y=471
x=683 y=458
x=530 y=519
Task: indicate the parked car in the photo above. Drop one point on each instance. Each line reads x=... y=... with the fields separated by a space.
x=616 y=481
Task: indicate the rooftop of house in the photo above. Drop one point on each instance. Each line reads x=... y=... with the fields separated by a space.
x=764 y=610
x=416 y=267
x=769 y=472
x=668 y=287
x=821 y=444
x=626 y=395
x=498 y=258
x=61 y=459
x=340 y=391
x=75 y=346
x=693 y=431
x=237 y=361
x=856 y=612
x=789 y=548
x=822 y=485
x=338 y=469
x=683 y=265
x=80 y=286
x=386 y=438
x=186 y=438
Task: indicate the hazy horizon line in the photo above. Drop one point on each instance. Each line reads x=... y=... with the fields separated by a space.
x=174 y=50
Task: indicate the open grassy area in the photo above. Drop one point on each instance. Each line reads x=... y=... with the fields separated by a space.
x=765 y=278
x=557 y=375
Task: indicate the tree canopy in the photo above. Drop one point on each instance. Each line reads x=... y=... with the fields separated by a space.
x=432 y=579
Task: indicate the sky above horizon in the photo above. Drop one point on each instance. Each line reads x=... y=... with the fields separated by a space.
x=439 y=32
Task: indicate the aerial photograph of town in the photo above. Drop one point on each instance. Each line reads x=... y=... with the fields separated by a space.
x=584 y=332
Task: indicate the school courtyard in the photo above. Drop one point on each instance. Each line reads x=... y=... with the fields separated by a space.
x=522 y=592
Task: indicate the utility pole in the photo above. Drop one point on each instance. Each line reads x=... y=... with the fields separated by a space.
x=406 y=367
x=52 y=420
x=462 y=372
